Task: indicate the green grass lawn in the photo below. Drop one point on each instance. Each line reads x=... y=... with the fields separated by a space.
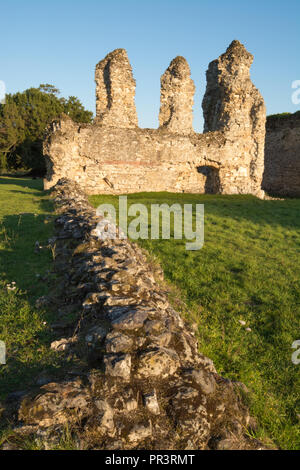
x=246 y=276
x=25 y=217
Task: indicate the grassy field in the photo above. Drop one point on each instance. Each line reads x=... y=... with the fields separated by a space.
x=25 y=217
x=243 y=291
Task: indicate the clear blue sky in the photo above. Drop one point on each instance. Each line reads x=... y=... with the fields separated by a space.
x=60 y=41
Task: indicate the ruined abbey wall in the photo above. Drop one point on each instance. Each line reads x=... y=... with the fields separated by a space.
x=113 y=155
x=282 y=156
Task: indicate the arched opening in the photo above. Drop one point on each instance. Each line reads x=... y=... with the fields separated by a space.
x=212 y=182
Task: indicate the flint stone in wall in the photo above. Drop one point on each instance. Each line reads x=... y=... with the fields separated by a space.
x=130 y=321
x=161 y=362
x=140 y=432
x=106 y=421
x=117 y=342
x=150 y=401
x=118 y=366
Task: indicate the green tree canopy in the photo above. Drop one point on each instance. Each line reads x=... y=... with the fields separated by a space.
x=23 y=120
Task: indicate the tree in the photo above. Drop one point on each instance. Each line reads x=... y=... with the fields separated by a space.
x=12 y=129
x=76 y=111
x=46 y=88
x=23 y=120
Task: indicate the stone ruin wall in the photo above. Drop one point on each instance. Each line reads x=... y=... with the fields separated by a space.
x=282 y=156
x=113 y=155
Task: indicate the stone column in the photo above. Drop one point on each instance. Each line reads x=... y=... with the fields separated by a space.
x=232 y=104
x=115 y=91
x=230 y=94
x=177 y=98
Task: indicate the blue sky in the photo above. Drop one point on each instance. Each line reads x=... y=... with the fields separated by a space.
x=60 y=41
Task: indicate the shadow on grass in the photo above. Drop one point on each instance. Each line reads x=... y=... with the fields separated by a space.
x=20 y=374
x=284 y=213
x=23 y=182
x=273 y=213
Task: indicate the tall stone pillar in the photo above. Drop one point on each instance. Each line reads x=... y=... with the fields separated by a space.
x=115 y=91
x=233 y=105
x=177 y=98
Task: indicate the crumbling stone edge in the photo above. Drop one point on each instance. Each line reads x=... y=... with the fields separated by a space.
x=143 y=383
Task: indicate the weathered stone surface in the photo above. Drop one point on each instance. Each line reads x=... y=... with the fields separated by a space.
x=151 y=403
x=91 y=298
x=115 y=91
x=160 y=362
x=233 y=105
x=202 y=379
x=58 y=404
x=177 y=98
x=125 y=402
x=118 y=366
x=111 y=155
x=140 y=388
x=63 y=344
x=282 y=156
x=96 y=334
x=139 y=432
x=106 y=421
x=117 y=342
x=130 y=321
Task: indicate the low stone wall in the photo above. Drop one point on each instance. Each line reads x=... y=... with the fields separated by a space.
x=142 y=383
x=282 y=156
